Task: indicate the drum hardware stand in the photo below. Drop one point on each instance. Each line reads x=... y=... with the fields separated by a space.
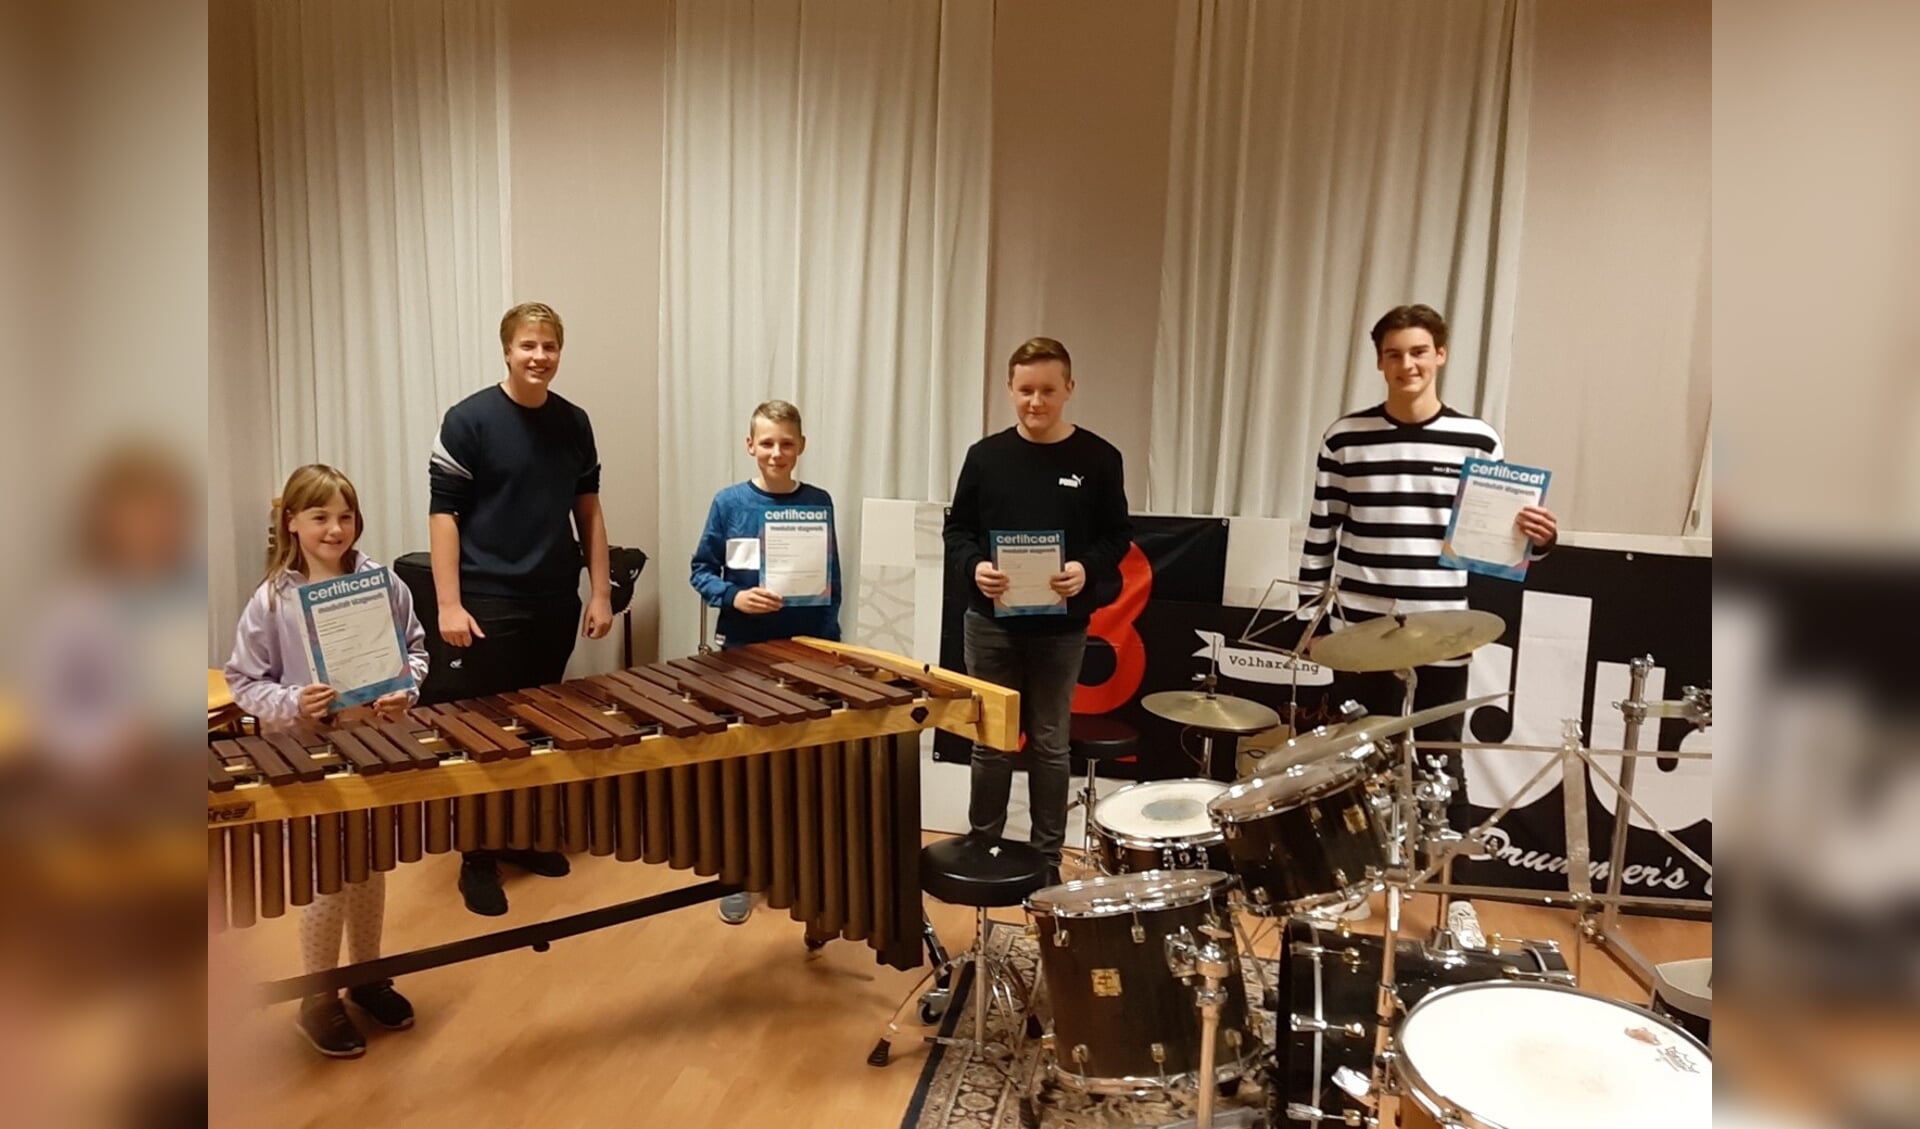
x=1695 y=706
x=1597 y=924
x=1213 y=965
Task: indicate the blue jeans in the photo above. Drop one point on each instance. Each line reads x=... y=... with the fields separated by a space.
x=1044 y=669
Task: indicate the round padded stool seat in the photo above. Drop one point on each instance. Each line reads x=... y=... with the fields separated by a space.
x=1096 y=737
x=962 y=871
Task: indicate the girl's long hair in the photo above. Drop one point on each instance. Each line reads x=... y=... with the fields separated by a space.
x=310 y=486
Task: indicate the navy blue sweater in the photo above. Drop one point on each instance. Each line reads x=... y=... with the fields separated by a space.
x=511 y=476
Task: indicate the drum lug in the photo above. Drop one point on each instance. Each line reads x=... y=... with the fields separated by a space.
x=1139 y=934
x=1060 y=937
x=1541 y=977
x=1307 y=1025
x=1081 y=1055
x=1159 y=1054
x=1300 y=1111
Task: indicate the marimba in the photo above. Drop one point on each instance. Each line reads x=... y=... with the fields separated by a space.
x=789 y=769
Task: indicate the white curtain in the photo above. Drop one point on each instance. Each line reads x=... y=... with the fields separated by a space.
x=383 y=187
x=825 y=242
x=1328 y=162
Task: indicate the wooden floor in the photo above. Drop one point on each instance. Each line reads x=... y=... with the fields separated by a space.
x=677 y=1020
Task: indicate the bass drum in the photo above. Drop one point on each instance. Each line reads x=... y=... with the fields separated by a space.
x=1326 y=1019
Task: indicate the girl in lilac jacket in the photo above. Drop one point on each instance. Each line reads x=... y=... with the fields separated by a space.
x=272 y=678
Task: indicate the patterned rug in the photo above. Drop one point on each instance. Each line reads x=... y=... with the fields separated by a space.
x=1022 y=1094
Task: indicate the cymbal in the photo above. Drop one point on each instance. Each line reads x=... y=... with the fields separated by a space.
x=1218 y=712
x=1354 y=736
x=1404 y=641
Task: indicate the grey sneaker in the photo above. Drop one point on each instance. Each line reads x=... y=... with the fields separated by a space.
x=736 y=908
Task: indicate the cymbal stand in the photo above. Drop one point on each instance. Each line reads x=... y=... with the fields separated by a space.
x=1208 y=682
x=1406 y=821
x=1695 y=706
x=1432 y=796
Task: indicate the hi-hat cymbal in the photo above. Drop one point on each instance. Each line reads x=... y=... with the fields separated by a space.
x=1355 y=736
x=1217 y=712
x=1404 y=641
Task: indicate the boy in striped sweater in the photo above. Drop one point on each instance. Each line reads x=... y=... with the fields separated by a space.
x=1381 y=500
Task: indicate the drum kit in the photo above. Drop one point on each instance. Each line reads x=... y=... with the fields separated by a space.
x=1142 y=961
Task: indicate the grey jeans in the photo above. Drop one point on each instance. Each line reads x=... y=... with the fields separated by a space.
x=1044 y=669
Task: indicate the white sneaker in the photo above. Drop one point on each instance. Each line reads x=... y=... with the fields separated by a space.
x=1361 y=910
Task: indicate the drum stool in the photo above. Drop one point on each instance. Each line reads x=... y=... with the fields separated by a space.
x=964 y=871
x=1095 y=738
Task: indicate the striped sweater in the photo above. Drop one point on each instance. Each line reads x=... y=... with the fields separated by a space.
x=1382 y=496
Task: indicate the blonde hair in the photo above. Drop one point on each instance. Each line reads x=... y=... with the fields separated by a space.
x=312 y=485
x=534 y=312
x=777 y=411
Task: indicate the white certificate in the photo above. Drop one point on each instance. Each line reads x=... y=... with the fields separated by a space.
x=1482 y=535
x=352 y=639
x=796 y=546
x=1030 y=559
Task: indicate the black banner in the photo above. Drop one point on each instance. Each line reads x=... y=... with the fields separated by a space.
x=1597 y=610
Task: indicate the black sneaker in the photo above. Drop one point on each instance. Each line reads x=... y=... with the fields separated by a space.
x=325 y=1023
x=547 y=864
x=387 y=1007
x=480 y=886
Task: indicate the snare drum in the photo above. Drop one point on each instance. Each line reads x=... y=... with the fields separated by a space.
x=1499 y=1055
x=1159 y=825
x=1302 y=838
x=1329 y=984
x=1123 y=1023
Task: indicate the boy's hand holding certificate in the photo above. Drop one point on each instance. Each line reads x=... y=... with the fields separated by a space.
x=1029 y=559
x=352 y=639
x=1484 y=535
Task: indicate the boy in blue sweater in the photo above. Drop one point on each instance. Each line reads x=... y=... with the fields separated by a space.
x=771 y=507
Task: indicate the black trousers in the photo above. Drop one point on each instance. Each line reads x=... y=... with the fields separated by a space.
x=528 y=641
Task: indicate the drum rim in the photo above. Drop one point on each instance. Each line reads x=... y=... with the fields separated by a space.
x=1148 y=1084
x=1121 y=838
x=1415 y=1085
x=1213 y=838
x=1221 y=882
x=1345 y=775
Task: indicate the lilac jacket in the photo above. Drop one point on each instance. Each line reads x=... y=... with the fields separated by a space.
x=270 y=662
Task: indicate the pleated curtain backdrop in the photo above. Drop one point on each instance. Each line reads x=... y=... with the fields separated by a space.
x=1328 y=162
x=824 y=242
x=384 y=202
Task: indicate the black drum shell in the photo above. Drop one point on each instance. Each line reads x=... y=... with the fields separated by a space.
x=1117 y=997
x=1119 y=855
x=1316 y=852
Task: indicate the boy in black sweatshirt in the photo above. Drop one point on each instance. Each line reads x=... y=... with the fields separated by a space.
x=1043 y=486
